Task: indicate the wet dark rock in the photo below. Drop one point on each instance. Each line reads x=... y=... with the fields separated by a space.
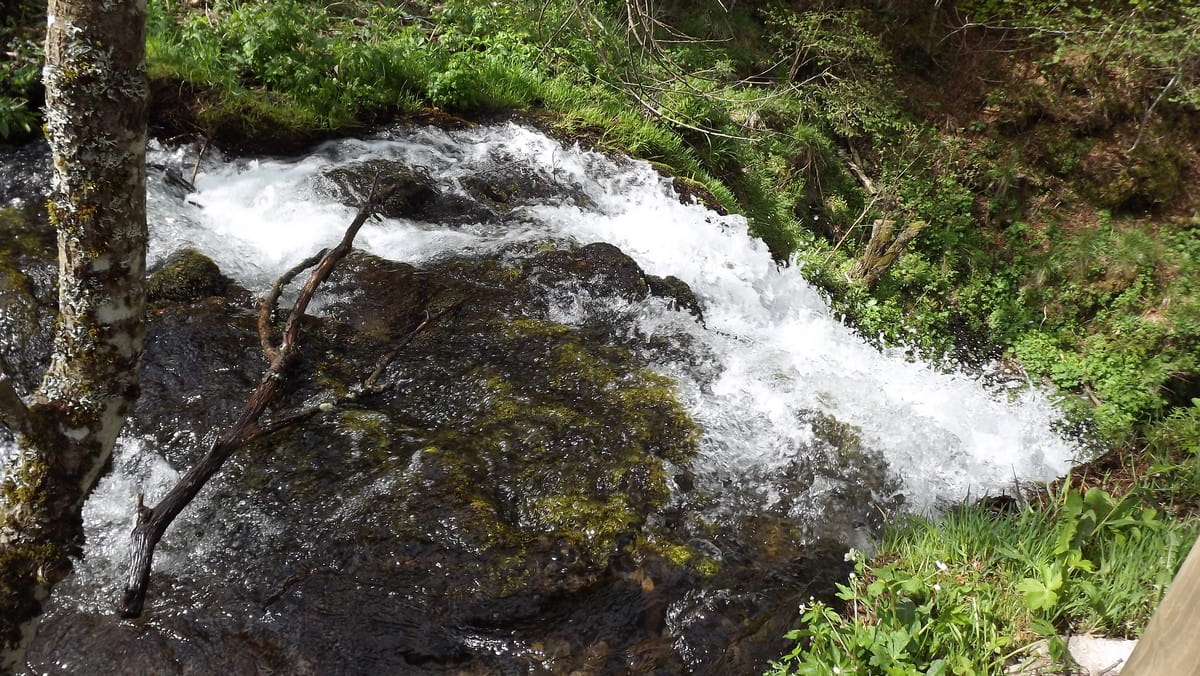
x=603 y=270
x=512 y=185
x=600 y=269
x=486 y=197
x=681 y=295
x=28 y=292
x=186 y=276
x=352 y=184
x=506 y=506
x=520 y=499
x=498 y=483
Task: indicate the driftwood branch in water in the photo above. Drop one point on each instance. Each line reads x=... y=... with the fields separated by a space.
x=153 y=522
x=267 y=307
x=13 y=413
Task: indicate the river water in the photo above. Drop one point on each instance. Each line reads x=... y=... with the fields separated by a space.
x=778 y=349
x=768 y=352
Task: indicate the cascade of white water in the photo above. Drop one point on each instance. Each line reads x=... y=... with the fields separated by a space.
x=779 y=351
x=770 y=349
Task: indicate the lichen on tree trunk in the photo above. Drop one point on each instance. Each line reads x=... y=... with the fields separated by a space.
x=96 y=123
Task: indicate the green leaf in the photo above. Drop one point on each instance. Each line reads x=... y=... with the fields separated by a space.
x=1099 y=501
x=906 y=612
x=875 y=589
x=1052 y=576
x=1042 y=627
x=1037 y=595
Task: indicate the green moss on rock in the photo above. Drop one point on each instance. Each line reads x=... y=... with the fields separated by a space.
x=186 y=276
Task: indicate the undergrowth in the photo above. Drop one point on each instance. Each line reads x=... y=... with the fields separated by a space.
x=972 y=592
x=21 y=67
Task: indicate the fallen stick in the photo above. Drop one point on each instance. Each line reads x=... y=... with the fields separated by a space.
x=153 y=522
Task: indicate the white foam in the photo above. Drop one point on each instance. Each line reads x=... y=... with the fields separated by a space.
x=779 y=348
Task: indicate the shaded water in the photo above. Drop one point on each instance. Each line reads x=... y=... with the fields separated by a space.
x=762 y=374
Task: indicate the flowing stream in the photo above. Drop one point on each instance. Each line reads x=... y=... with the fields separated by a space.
x=767 y=354
x=776 y=347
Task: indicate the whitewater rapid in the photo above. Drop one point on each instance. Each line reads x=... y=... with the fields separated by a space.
x=773 y=348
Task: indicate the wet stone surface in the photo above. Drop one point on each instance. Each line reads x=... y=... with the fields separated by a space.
x=520 y=499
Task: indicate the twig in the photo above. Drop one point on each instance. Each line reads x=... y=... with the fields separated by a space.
x=152 y=523
x=203 y=149
x=1146 y=117
x=370 y=384
x=267 y=306
x=13 y=413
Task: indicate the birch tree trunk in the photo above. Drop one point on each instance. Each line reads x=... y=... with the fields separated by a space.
x=96 y=94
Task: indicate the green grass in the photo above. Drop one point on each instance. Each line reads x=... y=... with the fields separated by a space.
x=971 y=592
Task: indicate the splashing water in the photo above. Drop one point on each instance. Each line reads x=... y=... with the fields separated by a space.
x=777 y=349
x=771 y=349
x=767 y=355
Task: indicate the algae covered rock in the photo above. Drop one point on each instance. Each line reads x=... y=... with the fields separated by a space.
x=506 y=477
x=185 y=276
x=519 y=499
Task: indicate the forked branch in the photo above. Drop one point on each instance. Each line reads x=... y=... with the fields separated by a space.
x=153 y=522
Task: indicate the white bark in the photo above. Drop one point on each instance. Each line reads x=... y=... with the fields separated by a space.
x=95 y=117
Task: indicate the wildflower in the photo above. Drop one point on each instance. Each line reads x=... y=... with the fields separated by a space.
x=851 y=554
x=941 y=566
x=837 y=670
x=937 y=587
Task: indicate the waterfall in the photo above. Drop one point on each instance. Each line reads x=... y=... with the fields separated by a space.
x=776 y=349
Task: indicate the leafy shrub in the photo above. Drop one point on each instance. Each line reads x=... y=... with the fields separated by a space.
x=939 y=596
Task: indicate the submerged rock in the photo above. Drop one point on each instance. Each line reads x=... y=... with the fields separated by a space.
x=419 y=197
x=485 y=197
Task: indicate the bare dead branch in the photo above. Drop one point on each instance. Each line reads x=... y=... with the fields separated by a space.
x=13 y=413
x=371 y=383
x=267 y=307
x=199 y=158
x=1146 y=116
x=152 y=523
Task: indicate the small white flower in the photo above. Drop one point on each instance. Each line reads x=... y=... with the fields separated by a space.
x=836 y=670
x=941 y=566
x=851 y=554
x=937 y=587
x=803 y=607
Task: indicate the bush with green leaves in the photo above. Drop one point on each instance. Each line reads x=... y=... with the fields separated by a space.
x=972 y=592
x=20 y=69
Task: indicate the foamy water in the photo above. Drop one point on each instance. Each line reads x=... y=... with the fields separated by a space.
x=778 y=349
x=771 y=349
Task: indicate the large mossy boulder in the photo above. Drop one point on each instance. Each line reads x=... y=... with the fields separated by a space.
x=508 y=476
x=521 y=498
